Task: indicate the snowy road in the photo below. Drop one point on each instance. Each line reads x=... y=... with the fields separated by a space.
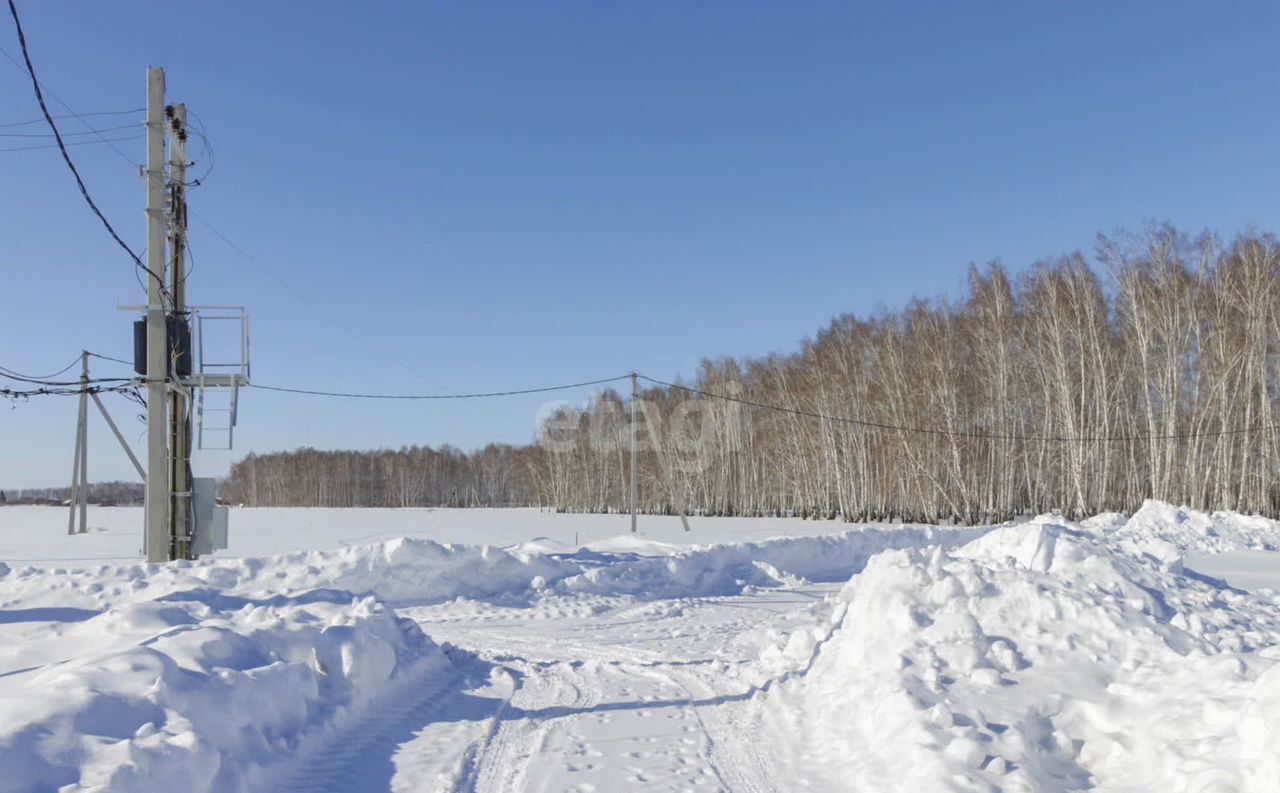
x=581 y=694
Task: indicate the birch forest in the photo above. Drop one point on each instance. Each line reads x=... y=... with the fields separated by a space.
x=1151 y=372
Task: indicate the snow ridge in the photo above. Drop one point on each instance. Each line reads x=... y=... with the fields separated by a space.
x=1039 y=657
x=1192 y=530
x=204 y=694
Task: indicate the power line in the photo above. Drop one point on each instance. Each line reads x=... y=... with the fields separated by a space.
x=84 y=191
x=191 y=262
x=72 y=143
x=67 y=134
x=12 y=124
x=959 y=433
x=46 y=387
x=225 y=238
x=55 y=383
x=77 y=116
x=124 y=385
x=109 y=358
x=198 y=129
x=347 y=395
x=17 y=393
x=50 y=387
x=293 y=292
x=63 y=370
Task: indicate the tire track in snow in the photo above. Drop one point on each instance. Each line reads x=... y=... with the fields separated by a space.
x=522 y=732
x=739 y=762
x=471 y=764
x=588 y=702
x=361 y=753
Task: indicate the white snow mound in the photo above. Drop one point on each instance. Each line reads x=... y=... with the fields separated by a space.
x=204 y=692
x=1038 y=657
x=726 y=569
x=1192 y=530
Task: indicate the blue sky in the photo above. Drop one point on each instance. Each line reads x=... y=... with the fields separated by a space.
x=475 y=196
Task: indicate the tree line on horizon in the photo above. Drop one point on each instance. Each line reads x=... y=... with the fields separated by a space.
x=104 y=493
x=1085 y=389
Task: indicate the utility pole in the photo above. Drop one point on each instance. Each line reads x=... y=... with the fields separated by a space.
x=74 y=495
x=80 y=466
x=179 y=400
x=157 y=534
x=635 y=398
x=84 y=442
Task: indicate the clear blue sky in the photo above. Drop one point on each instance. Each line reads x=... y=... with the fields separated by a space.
x=510 y=194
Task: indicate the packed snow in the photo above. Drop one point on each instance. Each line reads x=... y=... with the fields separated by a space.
x=561 y=653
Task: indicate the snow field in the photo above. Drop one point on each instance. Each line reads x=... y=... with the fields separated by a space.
x=37 y=535
x=1036 y=656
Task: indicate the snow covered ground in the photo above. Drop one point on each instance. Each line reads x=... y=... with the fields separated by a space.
x=357 y=650
x=37 y=535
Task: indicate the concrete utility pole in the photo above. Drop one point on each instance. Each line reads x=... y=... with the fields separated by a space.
x=635 y=399
x=156 y=537
x=80 y=466
x=79 y=499
x=179 y=401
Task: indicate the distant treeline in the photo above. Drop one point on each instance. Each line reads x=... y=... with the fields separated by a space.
x=411 y=477
x=118 y=493
x=1154 y=373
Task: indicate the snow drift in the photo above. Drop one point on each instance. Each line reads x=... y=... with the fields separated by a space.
x=1039 y=657
x=1192 y=530
x=204 y=694
x=212 y=675
x=726 y=569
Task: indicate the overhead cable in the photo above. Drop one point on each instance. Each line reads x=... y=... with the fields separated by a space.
x=109 y=358
x=516 y=392
x=37 y=146
x=84 y=191
x=122 y=384
x=61 y=391
x=67 y=134
x=63 y=370
x=56 y=383
x=41 y=120
x=71 y=112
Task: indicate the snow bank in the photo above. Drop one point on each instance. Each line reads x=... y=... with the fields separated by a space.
x=414 y=571
x=211 y=675
x=1192 y=530
x=399 y=571
x=204 y=694
x=726 y=569
x=1038 y=657
x=422 y=572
